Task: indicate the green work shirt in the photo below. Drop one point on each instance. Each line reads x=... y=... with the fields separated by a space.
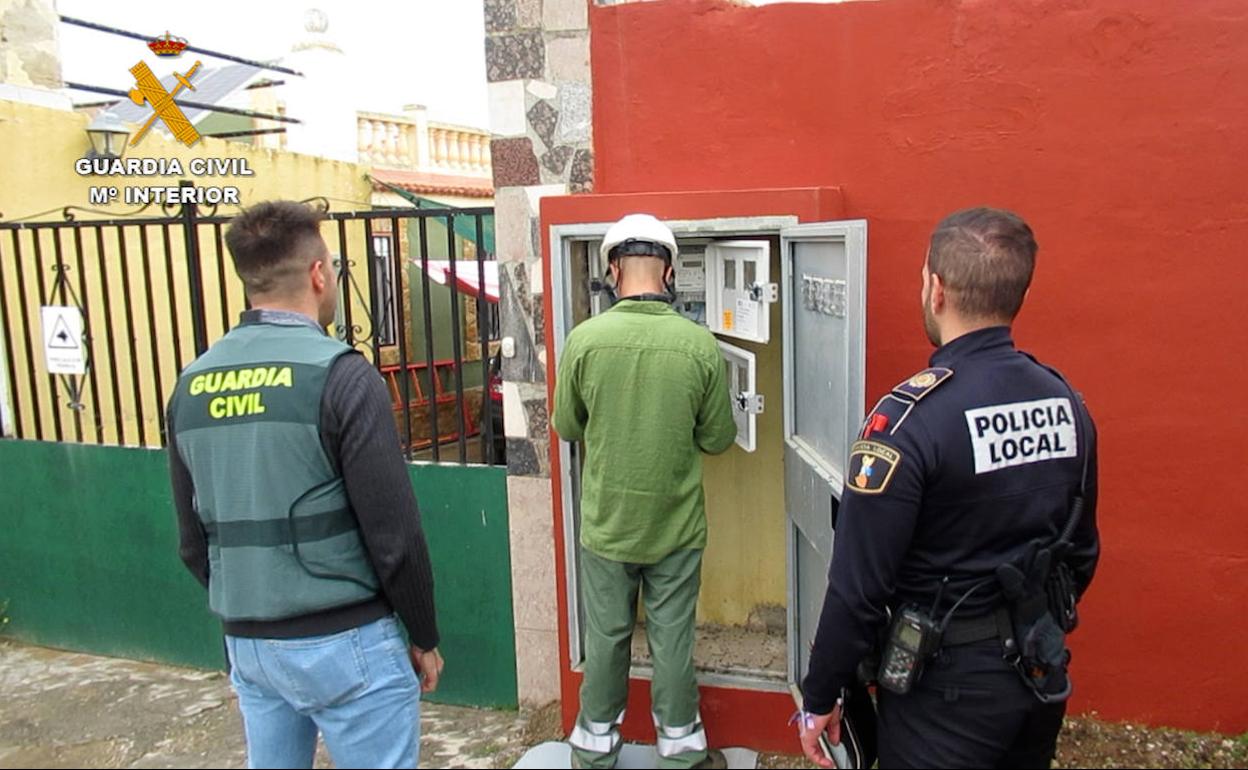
x=646 y=390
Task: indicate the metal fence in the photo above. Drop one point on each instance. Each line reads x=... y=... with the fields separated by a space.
x=155 y=292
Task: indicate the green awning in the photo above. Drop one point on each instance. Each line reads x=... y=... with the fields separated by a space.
x=465 y=227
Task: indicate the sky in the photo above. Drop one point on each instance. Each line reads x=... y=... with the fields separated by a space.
x=429 y=52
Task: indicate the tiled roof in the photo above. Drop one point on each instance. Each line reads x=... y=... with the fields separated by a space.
x=438 y=184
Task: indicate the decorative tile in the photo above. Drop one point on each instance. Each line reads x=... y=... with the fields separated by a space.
x=542 y=448
x=575 y=111
x=537 y=666
x=529 y=14
x=549 y=176
x=514 y=422
x=518 y=56
x=507 y=108
x=500 y=15
x=514 y=162
x=523 y=367
x=539 y=324
x=538 y=192
x=582 y=179
x=529 y=503
x=531 y=391
x=565 y=14
x=539 y=419
x=567 y=59
x=534 y=595
x=511 y=225
x=536 y=278
x=543 y=118
x=520 y=283
x=522 y=458
x=542 y=89
x=512 y=289
x=556 y=160
x=531 y=535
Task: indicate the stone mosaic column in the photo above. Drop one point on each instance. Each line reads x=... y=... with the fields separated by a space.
x=537 y=63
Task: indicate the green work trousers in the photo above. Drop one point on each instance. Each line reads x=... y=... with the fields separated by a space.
x=609 y=591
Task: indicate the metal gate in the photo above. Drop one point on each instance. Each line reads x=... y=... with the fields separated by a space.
x=155 y=292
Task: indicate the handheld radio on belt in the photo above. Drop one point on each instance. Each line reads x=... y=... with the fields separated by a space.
x=912 y=639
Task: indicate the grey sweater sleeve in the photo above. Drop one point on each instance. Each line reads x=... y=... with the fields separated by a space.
x=192 y=542
x=359 y=433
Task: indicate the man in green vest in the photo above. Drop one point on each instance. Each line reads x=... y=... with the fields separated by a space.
x=645 y=389
x=297 y=514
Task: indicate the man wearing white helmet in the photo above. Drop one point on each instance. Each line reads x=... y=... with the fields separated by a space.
x=645 y=389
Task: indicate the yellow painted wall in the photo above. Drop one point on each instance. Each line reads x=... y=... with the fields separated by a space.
x=38 y=148
x=744 y=565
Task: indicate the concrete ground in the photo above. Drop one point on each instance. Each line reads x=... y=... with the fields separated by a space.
x=60 y=709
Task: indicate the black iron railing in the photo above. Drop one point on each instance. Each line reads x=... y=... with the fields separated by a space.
x=155 y=292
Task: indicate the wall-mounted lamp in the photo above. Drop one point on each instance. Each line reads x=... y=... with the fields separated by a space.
x=108 y=136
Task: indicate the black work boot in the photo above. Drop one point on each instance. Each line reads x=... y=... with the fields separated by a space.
x=715 y=760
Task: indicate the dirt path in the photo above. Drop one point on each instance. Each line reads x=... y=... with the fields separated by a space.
x=60 y=709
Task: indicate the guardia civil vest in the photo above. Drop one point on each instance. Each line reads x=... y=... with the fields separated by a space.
x=282 y=539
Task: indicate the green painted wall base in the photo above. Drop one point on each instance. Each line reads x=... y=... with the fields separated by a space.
x=89 y=562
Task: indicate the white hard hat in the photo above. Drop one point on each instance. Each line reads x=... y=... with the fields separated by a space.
x=642 y=228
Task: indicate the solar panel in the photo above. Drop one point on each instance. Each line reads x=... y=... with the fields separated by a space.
x=212 y=86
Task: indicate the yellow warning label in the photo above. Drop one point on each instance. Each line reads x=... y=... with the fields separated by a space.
x=727 y=320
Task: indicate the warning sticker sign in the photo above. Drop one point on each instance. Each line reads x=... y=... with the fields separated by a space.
x=63 y=347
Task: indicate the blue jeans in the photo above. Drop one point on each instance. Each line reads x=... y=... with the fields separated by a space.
x=357 y=687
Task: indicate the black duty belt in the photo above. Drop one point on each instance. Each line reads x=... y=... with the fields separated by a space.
x=979 y=629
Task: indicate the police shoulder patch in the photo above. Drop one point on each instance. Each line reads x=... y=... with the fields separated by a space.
x=923 y=383
x=888 y=415
x=871 y=467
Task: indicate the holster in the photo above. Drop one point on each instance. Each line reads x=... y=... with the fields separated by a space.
x=1033 y=589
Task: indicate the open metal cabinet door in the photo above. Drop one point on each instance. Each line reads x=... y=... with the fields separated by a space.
x=824 y=268
x=738 y=289
x=741 y=373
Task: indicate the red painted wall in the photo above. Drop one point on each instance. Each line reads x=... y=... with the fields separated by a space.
x=1119 y=130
